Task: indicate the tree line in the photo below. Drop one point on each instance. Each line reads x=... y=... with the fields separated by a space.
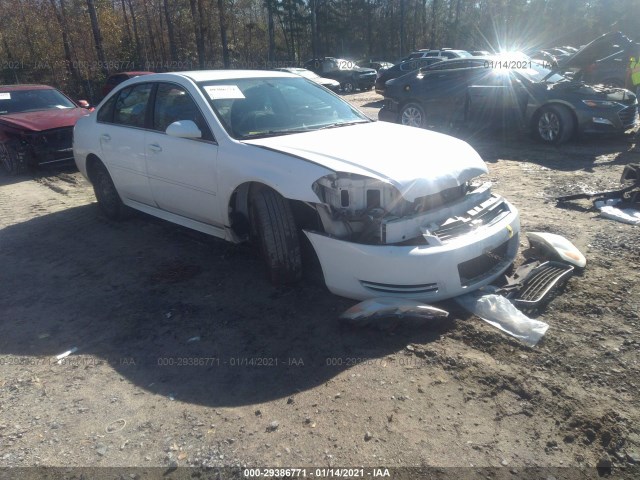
x=75 y=44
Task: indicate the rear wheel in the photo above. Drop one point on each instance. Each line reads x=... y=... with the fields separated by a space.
x=274 y=230
x=412 y=115
x=553 y=125
x=10 y=164
x=106 y=193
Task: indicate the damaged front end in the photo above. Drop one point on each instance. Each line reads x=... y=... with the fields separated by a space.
x=439 y=245
x=25 y=150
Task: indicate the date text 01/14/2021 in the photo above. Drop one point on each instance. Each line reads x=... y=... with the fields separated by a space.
x=330 y=472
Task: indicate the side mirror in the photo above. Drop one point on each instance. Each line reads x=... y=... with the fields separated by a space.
x=184 y=129
x=83 y=103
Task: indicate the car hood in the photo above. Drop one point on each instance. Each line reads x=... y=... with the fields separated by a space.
x=596 y=92
x=326 y=81
x=44 y=119
x=608 y=45
x=363 y=70
x=416 y=161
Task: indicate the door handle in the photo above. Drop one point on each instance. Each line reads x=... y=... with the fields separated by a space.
x=106 y=137
x=154 y=147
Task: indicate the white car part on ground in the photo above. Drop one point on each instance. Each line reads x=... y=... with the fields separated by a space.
x=499 y=312
x=558 y=246
x=609 y=209
x=381 y=307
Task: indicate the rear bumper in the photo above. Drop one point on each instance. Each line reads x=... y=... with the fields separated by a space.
x=426 y=273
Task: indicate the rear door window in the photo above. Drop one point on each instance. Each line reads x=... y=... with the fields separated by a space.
x=131 y=106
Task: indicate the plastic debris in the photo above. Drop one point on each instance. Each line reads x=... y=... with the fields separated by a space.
x=499 y=312
x=66 y=354
x=384 y=307
x=558 y=247
x=613 y=210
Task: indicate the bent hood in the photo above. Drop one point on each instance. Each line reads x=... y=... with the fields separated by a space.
x=608 y=45
x=44 y=119
x=416 y=161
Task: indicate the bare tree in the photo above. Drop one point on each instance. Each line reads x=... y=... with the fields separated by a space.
x=97 y=37
x=223 y=34
x=66 y=43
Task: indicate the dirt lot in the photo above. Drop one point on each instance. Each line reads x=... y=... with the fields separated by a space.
x=168 y=322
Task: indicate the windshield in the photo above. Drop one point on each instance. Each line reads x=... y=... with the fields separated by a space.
x=536 y=73
x=18 y=101
x=263 y=107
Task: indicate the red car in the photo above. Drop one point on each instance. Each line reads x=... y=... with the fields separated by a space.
x=118 y=78
x=36 y=126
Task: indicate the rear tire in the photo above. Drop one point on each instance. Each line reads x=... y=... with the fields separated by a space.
x=412 y=115
x=108 y=197
x=274 y=230
x=10 y=164
x=553 y=125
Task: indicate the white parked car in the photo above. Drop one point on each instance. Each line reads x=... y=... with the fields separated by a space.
x=271 y=157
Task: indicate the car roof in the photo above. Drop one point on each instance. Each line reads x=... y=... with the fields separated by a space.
x=206 y=75
x=133 y=74
x=14 y=88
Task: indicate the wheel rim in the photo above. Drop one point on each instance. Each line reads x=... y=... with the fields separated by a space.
x=549 y=126
x=348 y=87
x=412 y=117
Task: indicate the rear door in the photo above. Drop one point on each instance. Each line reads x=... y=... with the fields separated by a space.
x=495 y=95
x=121 y=128
x=182 y=171
x=444 y=88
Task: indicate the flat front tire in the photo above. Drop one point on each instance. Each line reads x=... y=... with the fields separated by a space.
x=412 y=115
x=274 y=230
x=553 y=125
x=108 y=197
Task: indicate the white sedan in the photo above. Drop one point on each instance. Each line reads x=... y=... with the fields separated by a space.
x=268 y=157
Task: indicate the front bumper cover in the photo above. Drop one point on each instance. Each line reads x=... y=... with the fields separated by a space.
x=427 y=273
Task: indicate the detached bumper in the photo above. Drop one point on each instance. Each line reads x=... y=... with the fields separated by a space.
x=427 y=273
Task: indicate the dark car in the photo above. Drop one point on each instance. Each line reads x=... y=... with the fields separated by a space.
x=403 y=68
x=603 y=61
x=117 y=78
x=36 y=126
x=509 y=90
x=347 y=72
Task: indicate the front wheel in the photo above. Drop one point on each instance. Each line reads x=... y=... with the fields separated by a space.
x=348 y=87
x=553 y=125
x=10 y=163
x=413 y=115
x=273 y=228
x=106 y=193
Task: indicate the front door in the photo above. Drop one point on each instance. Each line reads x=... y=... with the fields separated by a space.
x=182 y=171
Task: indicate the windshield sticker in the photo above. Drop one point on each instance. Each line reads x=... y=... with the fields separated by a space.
x=223 y=92
x=5 y=96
